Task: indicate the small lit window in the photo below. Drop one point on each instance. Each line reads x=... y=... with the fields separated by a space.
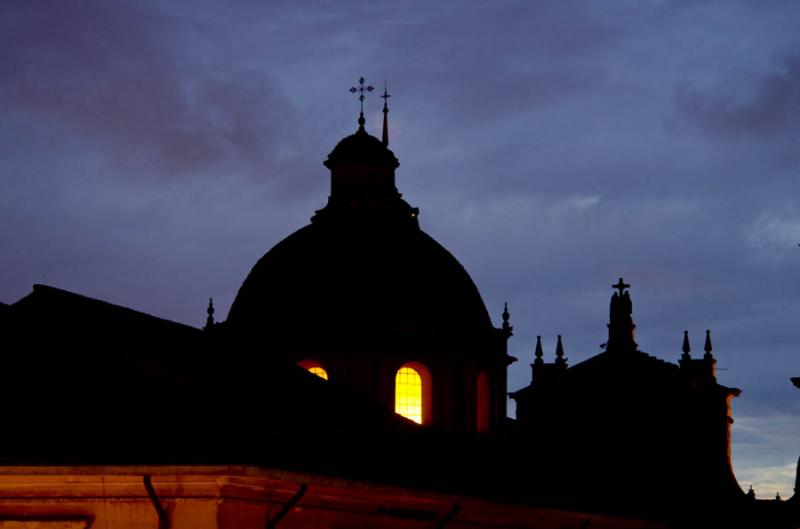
x=408 y=394
x=314 y=367
x=321 y=373
x=412 y=393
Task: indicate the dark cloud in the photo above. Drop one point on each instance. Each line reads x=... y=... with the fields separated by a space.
x=766 y=108
x=115 y=72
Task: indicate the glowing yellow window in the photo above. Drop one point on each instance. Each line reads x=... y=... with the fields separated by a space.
x=314 y=367
x=412 y=392
x=408 y=394
x=321 y=373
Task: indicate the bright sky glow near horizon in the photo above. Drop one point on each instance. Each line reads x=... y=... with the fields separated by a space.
x=151 y=152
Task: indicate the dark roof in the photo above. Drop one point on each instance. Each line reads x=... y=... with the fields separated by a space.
x=98 y=384
x=612 y=369
x=149 y=389
x=637 y=367
x=70 y=308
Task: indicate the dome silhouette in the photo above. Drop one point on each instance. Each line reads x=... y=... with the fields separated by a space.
x=362 y=271
x=338 y=282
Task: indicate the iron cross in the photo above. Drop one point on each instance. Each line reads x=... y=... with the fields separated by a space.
x=621 y=286
x=386 y=95
x=361 y=89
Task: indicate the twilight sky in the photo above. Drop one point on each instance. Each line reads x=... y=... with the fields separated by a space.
x=151 y=152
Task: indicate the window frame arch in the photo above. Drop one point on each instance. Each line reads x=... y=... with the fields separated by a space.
x=426 y=407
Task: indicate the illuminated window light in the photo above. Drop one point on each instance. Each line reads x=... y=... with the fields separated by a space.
x=321 y=373
x=315 y=367
x=408 y=394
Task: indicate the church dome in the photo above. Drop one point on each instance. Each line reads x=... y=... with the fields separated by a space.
x=365 y=299
x=362 y=272
x=335 y=285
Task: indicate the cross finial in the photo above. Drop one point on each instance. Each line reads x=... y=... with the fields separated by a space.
x=386 y=95
x=621 y=286
x=361 y=89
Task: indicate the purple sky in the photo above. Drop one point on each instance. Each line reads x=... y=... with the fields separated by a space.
x=151 y=152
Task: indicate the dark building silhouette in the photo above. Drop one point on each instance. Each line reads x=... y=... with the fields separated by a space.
x=632 y=419
x=284 y=413
x=362 y=291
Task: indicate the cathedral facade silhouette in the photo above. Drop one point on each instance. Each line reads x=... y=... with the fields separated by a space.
x=357 y=381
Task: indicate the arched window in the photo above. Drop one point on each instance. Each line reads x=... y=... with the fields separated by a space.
x=412 y=393
x=314 y=367
x=482 y=403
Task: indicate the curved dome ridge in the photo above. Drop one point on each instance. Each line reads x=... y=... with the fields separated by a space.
x=363 y=270
x=340 y=280
x=361 y=148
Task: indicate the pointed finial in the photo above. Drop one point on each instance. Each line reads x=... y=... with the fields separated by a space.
x=385 y=96
x=707 y=347
x=751 y=493
x=361 y=89
x=538 y=353
x=560 y=360
x=686 y=349
x=210 y=312
x=507 y=328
